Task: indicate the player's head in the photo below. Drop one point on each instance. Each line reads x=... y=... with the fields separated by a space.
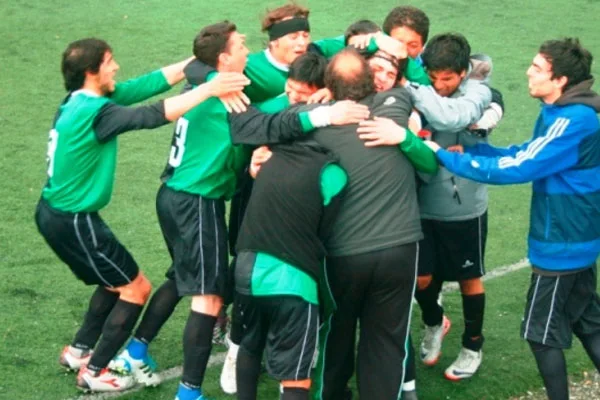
x=305 y=77
x=222 y=47
x=289 y=32
x=89 y=62
x=360 y=27
x=446 y=59
x=558 y=66
x=348 y=76
x=385 y=69
x=410 y=26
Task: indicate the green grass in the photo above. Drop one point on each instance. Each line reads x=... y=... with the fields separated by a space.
x=42 y=304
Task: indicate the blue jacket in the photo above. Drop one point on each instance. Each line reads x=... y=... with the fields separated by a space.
x=563 y=161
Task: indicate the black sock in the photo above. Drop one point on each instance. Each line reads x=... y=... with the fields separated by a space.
x=159 y=309
x=292 y=393
x=473 y=311
x=101 y=303
x=197 y=343
x=432 y=312
x=591 y=344
x=247 y=369
x=411 y=371
x=117 y=329
x=553 y=368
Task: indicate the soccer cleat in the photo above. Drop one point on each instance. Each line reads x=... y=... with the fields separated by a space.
x=228 y=375
x=105 y=381
x=465 y=365
x=220 y=331
x=431 y=345
x=71 y=362
x=143 y=370
x=185 y=392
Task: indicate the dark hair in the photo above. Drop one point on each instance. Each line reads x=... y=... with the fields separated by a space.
x=447 y=51
x=360 y=27
x=410 y=17
x=351 y=79
x=569 y=59
x=309 y=68
x=81 y=56
x=291 y=9
x=212 y=41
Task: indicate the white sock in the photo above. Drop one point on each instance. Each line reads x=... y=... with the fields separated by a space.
x=409 y=386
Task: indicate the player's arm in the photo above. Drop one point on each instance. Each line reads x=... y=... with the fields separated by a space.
x=448 y=114
x=556 y=150
x=254 y=127
x=142 y=88
x=113 y=119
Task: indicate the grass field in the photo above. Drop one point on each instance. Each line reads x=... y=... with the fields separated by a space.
x=42 y=304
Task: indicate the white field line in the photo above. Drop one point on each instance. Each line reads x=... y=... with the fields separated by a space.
x=218 y=358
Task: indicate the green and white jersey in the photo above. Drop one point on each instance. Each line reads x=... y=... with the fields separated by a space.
x=203 y=160
x=82 y=146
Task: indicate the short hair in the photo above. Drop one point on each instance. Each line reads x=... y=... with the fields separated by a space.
x=309 y=68
x=447 y=51
x=359 y=28
x=291 y=9
x=410 y=17
x=569 y=59
x=81 y=56
x=348 y=76
x=212 y=41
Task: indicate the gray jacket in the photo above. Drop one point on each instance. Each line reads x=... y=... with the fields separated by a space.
x=444 y=196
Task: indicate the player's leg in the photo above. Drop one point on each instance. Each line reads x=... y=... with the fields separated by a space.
x=201 y=272
x=409 y=388
x=547 y=328
x=584 y=308
x=163 y=302
x=463 y=251
x=385 y=321
x=234 y=338
x=427 y=294
x=335 y=367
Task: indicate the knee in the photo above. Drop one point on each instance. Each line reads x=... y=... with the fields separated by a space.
x=423 y=282
x=301 y=384
x=471 y=287
x=209 y=304
x=137 y=291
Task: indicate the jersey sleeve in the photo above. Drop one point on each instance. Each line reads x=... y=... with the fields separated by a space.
x=113 y=119
x=333 y=181
x=140 y=89
x=555 y=151
x=419 y=154
x=330 y=46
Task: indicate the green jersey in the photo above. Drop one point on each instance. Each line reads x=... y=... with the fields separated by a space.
x=82 y=148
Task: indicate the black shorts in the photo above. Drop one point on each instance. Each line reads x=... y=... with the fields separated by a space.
x=286 y=327
x=453 y=250
x=85 y=243
x=196 y=235
x=558 y=306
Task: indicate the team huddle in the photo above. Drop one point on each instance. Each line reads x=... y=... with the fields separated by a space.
x=356 y=167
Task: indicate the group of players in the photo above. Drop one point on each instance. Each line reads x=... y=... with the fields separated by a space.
x=340 y=173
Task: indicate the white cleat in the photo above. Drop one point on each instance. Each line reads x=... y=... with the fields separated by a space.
x=106 y=381
x=71 y=362
x=228 y=375
x=465 y=365
x=143 y=370
x=431 y=345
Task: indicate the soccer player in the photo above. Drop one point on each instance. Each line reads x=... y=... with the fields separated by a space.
x=563 y=161
x=81 y=165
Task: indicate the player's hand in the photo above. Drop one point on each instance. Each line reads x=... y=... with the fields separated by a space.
x=432 y=145
x=360 y=41
x=381 y=132
x=235 y=102
x=458 y=148
x=391 y=46
x=259 y=156
x=347 y=112
x=322 y=96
